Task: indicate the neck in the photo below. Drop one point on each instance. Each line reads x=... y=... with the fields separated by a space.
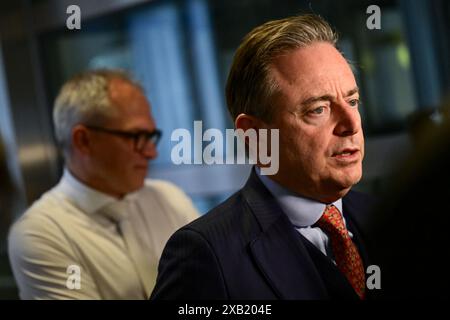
x=326 y=196
x=92 y=181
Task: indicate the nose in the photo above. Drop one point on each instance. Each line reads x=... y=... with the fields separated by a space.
x=149 y=152
x=348 y=119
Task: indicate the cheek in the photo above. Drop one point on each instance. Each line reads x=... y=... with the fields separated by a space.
x=362 y=144
x=305 y=150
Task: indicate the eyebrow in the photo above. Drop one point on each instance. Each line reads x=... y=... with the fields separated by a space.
x=328 y=97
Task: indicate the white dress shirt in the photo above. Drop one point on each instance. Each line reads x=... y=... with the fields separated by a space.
x=66 y=227
x=303 y=213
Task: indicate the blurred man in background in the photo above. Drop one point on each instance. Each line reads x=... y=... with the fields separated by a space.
x=99 y=233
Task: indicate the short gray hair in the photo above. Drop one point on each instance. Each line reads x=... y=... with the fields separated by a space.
x=250 y=87
x=85 y=99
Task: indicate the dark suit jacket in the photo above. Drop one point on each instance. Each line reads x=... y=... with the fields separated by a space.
x=246 y=248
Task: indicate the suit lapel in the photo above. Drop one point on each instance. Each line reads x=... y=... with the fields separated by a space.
x=277 y=251
x=352 y=210
x=337 y=285
x=286 y=264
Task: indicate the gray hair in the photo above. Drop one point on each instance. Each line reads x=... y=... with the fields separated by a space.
x=85 y=99
x=250 y=87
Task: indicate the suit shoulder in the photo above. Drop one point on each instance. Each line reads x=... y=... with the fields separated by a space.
x=223 y=217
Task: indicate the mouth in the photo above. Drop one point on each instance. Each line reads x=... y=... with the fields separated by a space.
x=346 y=155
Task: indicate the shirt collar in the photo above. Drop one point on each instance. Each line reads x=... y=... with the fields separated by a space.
x=84 y=197
x=302 y=212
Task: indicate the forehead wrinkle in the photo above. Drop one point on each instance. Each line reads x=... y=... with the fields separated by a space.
x=312 y=80
x=328 y=89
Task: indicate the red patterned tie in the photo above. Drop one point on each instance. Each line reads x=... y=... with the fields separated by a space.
x=345 y=252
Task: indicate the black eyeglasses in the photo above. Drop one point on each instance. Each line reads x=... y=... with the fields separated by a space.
x=140 y=137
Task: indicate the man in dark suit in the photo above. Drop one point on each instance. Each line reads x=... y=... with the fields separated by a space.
x=294 y=234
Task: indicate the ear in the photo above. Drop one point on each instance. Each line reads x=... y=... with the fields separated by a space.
x=245 y=122
x=81 y=139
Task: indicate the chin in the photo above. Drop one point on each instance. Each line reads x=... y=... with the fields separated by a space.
x=140 y=184
x=348 y=178
x=348 y=183
x=334 y=193
x=135 y=187
x=339 y=187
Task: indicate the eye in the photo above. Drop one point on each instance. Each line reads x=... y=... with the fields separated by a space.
x=354 y=102
x=317 y=111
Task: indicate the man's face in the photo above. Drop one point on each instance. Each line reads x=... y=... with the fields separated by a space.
x=321 y=139
x=116 y=166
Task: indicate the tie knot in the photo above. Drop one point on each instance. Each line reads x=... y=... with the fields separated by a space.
x=331 y=221
x=117 y=210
